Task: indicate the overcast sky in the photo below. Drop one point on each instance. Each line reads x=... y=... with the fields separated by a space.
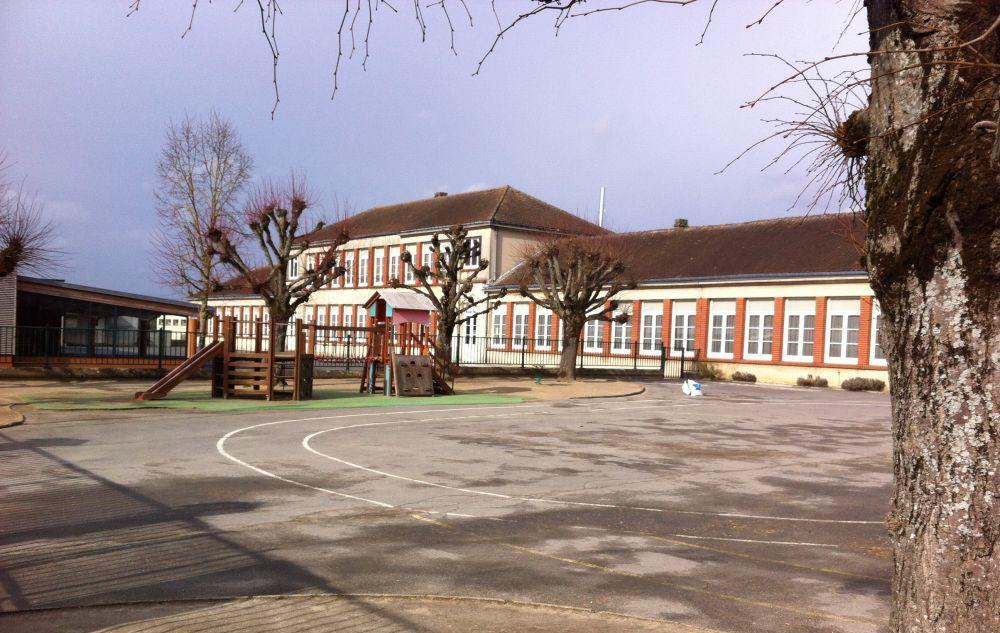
x=624 y=100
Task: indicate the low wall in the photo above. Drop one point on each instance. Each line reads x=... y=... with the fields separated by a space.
x=789 y=374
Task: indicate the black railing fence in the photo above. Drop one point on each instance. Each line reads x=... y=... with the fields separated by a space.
x=332 y=347
x=50 y=345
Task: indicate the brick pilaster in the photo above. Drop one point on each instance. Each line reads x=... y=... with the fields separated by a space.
x=819 y=334
x=778 y=331
x=739 y=329
x=701 y=327
x=532 y=334
x=665 y=331
x=509 y=325
x=636 y=322
x=865 y=333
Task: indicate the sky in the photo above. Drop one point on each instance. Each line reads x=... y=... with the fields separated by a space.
x=626 y=100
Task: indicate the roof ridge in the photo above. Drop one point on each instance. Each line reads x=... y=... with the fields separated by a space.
x=808 y=216
x=496 y=209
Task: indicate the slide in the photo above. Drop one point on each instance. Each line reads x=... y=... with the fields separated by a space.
x=181 y=373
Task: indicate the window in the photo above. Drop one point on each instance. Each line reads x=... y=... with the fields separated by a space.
x=621 y=334
x=349 y=270
x=393 y=272
x=878 y=354
x=427 y=258
x=593 y=336
x=759 y=330
x=682 y=338
x=363 y=267
x=520 y=333
x=843 y=323
x=722 y=327
x=469 y=329
x=407 y=268
x=475 y=252
x=379 y=265
x=293 y=268
x=800 y=324
x=652 y=328
x=361 y=318
x=543 y=328
x=499 y=325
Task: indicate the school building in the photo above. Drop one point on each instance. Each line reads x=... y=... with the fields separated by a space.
x=778 y=298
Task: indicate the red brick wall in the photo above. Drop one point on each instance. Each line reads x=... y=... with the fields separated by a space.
x=739 y=329
x=701 y=327
x=665 y=333
x=819 y=335
x=636 y=322
x=865 y=333
x=778 y=333
x=532 y=307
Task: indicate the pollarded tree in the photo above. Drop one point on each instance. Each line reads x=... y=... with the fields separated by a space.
x=577 y=278
x=275 y=219
x=26 y=237
x=448 y=282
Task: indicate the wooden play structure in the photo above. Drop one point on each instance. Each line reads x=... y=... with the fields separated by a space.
x=400 y=352
x=254 y=359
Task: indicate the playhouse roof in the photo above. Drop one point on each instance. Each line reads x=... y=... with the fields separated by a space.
x=401 y=300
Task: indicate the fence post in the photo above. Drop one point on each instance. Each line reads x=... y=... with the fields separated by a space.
x=663 y=359
x=635 y=355
x=682 y=362
x=193 y=327
x=524 y=347
x=159 y=362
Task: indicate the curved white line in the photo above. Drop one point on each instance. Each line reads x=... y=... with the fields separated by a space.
x=306 y=444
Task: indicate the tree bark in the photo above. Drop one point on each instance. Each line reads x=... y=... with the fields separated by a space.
x=570 y=350
x=445 y=333
x=933 y=214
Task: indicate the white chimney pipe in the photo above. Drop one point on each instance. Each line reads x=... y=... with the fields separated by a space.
x=600 y=210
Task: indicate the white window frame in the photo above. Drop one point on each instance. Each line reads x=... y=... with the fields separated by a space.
x=378 y=272
x=427 y=258
x=360 y=317
x=621 y=335
x=593 y=336
x=498 y=326
x=349 y=269
x=841 y=311
x=473 y=262
x=393 y=268
x=520 y=327
x=721 y=328
x=408 y=276
x=800 y=308
x=875 y=343
x=293 y=268
x=761 y=309
x=543 y=328
x=683 y=315
x=363 y=268
x=651 y=324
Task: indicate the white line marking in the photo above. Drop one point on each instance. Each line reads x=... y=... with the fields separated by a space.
x=306 y=443
x=748 y=540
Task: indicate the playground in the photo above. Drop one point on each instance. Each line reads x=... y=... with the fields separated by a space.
x=752 y=508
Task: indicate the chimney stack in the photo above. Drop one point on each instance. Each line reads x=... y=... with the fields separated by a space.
x=680 y=223
x=440 y=194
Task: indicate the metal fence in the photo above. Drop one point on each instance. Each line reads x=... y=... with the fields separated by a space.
x=42 y=346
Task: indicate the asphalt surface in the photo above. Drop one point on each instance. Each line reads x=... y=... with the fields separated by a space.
x=751 y=509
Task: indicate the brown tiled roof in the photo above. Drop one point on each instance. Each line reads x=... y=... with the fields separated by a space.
x=806 y=246
x=238 y=286
x=503 y=206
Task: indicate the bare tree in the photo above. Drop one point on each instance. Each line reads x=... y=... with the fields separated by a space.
x=202 y=170
x=931 y=208
x=275 y=218
x=578 y=279
x=448 y=281
x=26 y=237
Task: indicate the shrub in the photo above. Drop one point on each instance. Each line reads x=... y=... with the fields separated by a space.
x=862 y=384
x=812 y=381
x=709 y=372
x=744 y=376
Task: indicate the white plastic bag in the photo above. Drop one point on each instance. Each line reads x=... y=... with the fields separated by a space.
x=691 y=388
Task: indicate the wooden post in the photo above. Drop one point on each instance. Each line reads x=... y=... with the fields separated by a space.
x=297 y=361
x=192 y=336
x=258 y=333
x=229 y=344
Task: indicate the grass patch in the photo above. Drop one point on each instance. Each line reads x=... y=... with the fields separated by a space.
x=324 y=398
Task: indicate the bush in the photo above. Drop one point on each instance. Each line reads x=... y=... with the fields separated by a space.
x=812 y=381
x=862 y=384
x=709 y=372
x=744 y=376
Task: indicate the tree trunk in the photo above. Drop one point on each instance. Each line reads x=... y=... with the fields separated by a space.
x=444 y=336
x=570 y=349
x=281 y=319
x=933 y=214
